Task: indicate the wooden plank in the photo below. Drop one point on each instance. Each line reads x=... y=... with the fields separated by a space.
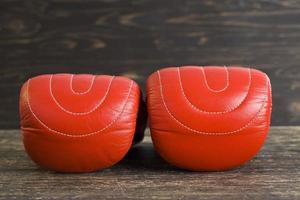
x=273 y=174
x=135 y=38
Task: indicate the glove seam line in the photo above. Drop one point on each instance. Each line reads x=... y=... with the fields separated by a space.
x=79 y=113
x=211 y=133
x=213 y=90
x=79 y=135
x=217 y=112
x=81 y=93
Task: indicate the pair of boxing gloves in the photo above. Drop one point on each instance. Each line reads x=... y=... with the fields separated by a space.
x=201 y=118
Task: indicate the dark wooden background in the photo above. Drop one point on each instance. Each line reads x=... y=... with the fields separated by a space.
x=136 y=37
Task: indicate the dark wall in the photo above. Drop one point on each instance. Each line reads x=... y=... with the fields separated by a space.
x=136 y=37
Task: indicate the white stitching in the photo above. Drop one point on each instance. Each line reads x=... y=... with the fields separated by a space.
x=210 y=112
x=79 y=135
x=79 y=113
x=208 y=133
x=209 y=88
x=81 y=93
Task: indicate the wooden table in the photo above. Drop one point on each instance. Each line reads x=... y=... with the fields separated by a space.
x=273 y=174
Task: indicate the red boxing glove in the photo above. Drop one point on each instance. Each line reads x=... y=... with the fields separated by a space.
x=80 y=123
x=208 y=119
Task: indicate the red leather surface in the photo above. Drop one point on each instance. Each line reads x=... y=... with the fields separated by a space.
x=210 y=118
x=78 y=123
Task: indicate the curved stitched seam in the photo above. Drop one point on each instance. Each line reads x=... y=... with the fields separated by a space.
x=79 y=113
x=81 y=93
x=210 y=112
x=209 y=88
x=209 y=133
x=79 y=135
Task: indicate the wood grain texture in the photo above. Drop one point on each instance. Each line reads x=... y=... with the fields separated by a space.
x=135 y=38
x=273 y=174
